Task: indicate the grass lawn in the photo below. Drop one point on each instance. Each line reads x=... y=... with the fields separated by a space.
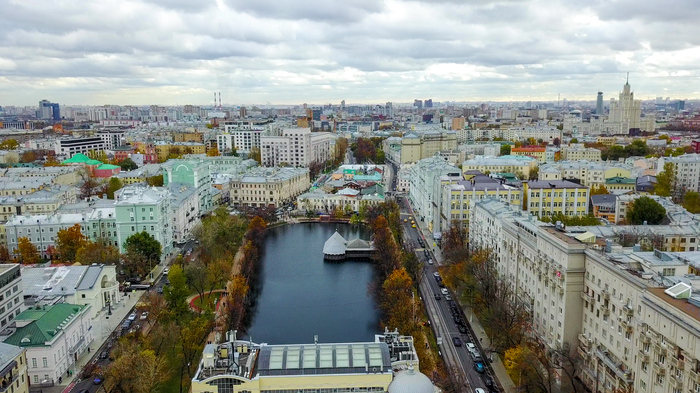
x=207 y=301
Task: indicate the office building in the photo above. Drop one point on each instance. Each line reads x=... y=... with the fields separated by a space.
x=67 y=147
x=48 y=111
x=599 y=104
x=112 y=138
x=519 y=165
x=241 y=137
x=577 y=152
x=416 y=146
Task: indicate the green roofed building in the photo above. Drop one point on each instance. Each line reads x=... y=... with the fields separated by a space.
x=79 y=158
x=54 y=336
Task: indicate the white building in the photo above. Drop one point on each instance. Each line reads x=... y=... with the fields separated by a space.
x=185 y=213
x=346 y=199
x=112 y=138
x=67 y=147
x=271 y=187
x=12 y=302
x=687 y=170
x=41 y=229
x=627 y=111
x=427 y=177
x=242 y=137
x=148 y=209
x=54 y=337
x=298 y=147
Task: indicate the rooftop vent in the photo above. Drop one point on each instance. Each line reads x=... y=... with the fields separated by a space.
x=679 y=291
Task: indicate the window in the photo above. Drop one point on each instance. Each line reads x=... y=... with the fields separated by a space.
x=33 y=362
x=45 y=361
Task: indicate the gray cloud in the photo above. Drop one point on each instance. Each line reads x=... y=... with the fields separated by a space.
x=177 y=51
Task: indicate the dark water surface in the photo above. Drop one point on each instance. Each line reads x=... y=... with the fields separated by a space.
x=300 y=295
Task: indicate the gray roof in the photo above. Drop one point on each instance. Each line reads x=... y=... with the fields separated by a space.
x=604 y=200
x=548 y=184
x=8 y=353
x=61 y=280
x=90 y=278
x=335 y=245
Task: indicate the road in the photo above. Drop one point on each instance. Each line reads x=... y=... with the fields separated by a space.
x=439 y=311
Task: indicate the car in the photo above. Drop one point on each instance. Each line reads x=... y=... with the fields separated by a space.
x=488 y=382
x=97 y=380
x=457 y=341
x=462 y=329
x=430 y=261
x=436 y=274
x=405 y=220
x=479 y=367
x=413 y=225
x=437 y=296
x=84 y=391
x=448 y=297
x=159 y=290
x=471 y=347
x=479 y=390
x=444 y=291
x=132 y=317
x=104 y=355
x=425 y=252
x=166 y=271
x=144 y=315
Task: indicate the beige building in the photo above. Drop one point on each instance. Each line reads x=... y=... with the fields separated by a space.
x=13 y=369
x=163 y=149
x=577 y=152
x=8 y=157
x=272 y=187
x=44 y=201
x=415 y=147
x=521 y=165
x=298 y=147
x=548 y=198
x=458 y=123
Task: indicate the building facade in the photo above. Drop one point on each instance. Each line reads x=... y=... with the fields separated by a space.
x=148 y=209
x=13 y=369
x=298 y=147
x=547 y=198
x=427 y=178
x=270 y=187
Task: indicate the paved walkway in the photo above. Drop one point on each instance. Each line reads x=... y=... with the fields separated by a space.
x=497 y=365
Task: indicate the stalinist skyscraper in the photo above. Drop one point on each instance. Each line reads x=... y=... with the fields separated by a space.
x=627 y=111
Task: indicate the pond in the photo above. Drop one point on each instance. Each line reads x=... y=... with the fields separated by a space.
x=300 y=295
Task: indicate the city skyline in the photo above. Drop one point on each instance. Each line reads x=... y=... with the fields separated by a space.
x=176 y=52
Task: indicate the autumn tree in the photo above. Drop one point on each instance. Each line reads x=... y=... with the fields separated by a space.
x=213 y=152
x=645 y=210
x=28 y=253
x=255 y=155
x=454 y=243
x=220 y=235
x=9 y=144
x=599 y=190
x=68 y=242
x=534 y=173
x=236 y=302
x=155 y=181
x=397 y=301
x=256 y=229
x=135 y=369
x=386 y=250
x=413 y=266
x=691 y=201
x=4 y=254
x=28 y=156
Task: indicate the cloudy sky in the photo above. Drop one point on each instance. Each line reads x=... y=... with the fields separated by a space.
x=291 y=51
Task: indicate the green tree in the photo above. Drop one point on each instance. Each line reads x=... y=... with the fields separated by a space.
x=645 y=209
x=573 y=140
x=691 y=201
x=637 y=148
x=176 y=293
x=113 y=186
x=666 y=181
x=505 y=150
x=144 y=244
x=534 y=173
x=128 y=164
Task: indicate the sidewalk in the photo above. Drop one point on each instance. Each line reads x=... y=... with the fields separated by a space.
x=496 y=363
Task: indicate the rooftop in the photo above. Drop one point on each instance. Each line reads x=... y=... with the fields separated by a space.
x=37 y=326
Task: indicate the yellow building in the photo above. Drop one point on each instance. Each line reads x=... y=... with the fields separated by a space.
x=13 y=369
x=606 y=140
x=538 y=152
x=193 y=136
x=242 y=366
x=163 y=150
x=617 y=171
x=620 y=185
x=547 y=198
x=458 y=198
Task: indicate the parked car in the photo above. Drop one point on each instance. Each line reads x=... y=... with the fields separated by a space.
x=479 y=367
x=457 y=341
x=430 y=261
x=479 y=390
x=448 y=297
x=444 y=291
x=97 y=380
x=436 y=274
x=132 y=317
x=461 y=329
x=144 y=315
x=166 y=271
x=488 y=382
x=104 y=355
x=471 y=347
x=437 y=296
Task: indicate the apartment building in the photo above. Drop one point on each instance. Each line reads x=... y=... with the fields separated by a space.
x=112 y=138
x=578 y=152
x=587 y=173
x=67 y=147
x=620 y=185
x=148 y=209
x=459 y=197
x=687 y=169
x=164 y=149
x=139 y=175
x=44 y=201
x=547 y=198
x=63 y=175
x=270 y=187
x=298 y=147
x=417 y=146
x=13 y=369
x=11 y=293
x=427 y=178
x=503 y=164
x=192 y=172
x=537 y=152
x=41 y=230
x=54 y=337
x=241 y=137
x=346 y=199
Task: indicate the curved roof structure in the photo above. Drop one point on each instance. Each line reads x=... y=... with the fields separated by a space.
x=411 y=381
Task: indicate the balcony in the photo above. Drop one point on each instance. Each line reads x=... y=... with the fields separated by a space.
x=586 y=296
x=659 y=368
x=8 y=381
x=628 y=310
x=643 y=356
x=605 y=294
x=694 y=376
x=676 y=382
x=615 y=366
x=586 y=343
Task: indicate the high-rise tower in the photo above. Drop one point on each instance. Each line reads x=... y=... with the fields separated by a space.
x=599 y=104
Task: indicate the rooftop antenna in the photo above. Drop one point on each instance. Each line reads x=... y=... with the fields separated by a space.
x=628 y=78
x=214 y=99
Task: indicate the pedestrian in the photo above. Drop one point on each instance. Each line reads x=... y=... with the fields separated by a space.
x=481 y=339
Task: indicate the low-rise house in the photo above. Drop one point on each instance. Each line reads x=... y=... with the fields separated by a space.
x=54 y=337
